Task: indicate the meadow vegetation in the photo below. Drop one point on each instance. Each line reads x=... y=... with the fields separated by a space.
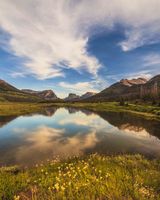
x=145 y=110
x=9 y=109
x=17 y=96
x=125 y=177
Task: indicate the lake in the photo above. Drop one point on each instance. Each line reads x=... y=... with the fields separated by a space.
x=65 y=132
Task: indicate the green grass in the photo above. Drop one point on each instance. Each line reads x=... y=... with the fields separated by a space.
x=91 y=178
x=8 y=109
x=145 y=110
x=148 y=111
x=17 y=96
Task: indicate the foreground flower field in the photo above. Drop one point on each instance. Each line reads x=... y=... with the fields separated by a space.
x=91 y=178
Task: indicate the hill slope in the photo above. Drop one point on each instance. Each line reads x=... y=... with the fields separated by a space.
x=4 y=86
x=74 y=97
x=12 y=94
x=130 y=90
x=45 y=94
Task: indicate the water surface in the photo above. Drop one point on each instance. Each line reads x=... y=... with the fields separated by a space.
x=64 y=132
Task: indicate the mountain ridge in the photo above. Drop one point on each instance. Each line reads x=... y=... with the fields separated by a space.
x=133 y=89
x=75 y=97
x=44 y=94
x=126 y=89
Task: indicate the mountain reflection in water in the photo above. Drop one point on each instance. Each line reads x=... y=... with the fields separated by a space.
x=72 y=132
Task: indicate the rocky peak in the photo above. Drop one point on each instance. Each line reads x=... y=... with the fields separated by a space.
x=132 y=82
x=2 y=81
x=72 y=96
x=48 y=94
x=45 y=94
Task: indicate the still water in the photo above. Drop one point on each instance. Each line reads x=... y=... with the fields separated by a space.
x=64 y=132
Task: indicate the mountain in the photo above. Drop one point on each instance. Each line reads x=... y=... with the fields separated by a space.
x=72 y=97
x=45 y=94
x=4 y=86
x=130 y=90
x=11 y=93
x=134 y=81
x=125 y=89
x=87 y=95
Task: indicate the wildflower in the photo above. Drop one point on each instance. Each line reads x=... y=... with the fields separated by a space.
x=107 y=175
x=28 y=180
x=62 y=188
x=49 y=188
x=16 y=197
x=57 y=178
x=56 y=186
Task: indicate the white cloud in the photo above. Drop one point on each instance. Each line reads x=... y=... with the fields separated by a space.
x=53 y=34
x=152 y=60
x=79 y=88
x=47 y=36
x=17 y=74
x=137 y=37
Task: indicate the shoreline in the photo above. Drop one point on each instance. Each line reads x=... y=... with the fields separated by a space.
x=17 y=109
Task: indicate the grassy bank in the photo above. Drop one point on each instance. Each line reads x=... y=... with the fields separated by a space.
x=148 y=111
x=8 y=109
x=145 y=110
x=89 y=178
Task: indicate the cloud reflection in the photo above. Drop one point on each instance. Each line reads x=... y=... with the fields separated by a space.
x=45 y=141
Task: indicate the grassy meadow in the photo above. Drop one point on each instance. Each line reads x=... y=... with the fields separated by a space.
x=94 y=177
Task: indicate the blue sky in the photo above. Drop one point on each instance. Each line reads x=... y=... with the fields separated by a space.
x=75 y=46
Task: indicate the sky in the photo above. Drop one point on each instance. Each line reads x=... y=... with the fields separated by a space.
x=75 y=46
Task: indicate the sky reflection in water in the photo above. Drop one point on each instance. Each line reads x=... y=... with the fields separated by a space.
x=64 y=132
